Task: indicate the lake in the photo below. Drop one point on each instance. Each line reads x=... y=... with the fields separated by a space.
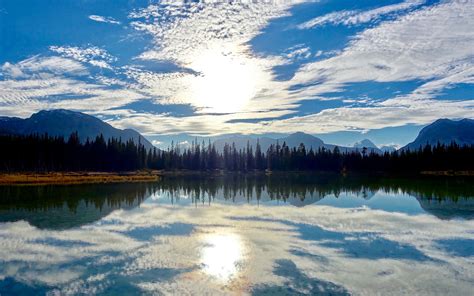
x=240 y=234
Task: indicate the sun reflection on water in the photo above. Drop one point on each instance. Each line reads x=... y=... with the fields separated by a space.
x=222 y=255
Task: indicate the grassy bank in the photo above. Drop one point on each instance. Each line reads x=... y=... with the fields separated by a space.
x=67 y=178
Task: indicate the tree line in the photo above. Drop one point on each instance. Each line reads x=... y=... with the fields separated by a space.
x=51 y=153
x=47 y=153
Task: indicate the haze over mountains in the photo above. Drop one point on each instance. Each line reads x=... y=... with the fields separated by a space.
x=64 y=122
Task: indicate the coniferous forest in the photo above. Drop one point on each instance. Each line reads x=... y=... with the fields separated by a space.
x=43 y=153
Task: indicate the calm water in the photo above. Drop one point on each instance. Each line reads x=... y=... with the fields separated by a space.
x=256 y=235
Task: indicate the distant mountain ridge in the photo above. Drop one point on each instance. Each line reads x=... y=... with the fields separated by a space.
x=60 y=122
x=293 y=140
x=445 y=131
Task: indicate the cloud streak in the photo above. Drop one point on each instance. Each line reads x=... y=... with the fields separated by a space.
x=354 y=17
x=104 y=19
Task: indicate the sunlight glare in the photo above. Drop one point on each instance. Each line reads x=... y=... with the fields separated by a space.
x=222 y=255
x=226 y=84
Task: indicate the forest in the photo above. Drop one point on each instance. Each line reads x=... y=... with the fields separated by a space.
x=44 y=153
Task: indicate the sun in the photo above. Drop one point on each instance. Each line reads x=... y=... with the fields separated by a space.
x=225 y=84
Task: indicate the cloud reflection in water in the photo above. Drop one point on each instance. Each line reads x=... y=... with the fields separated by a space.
x=217 y=239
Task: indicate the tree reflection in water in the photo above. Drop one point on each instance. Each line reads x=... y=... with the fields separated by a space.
x=63 y=207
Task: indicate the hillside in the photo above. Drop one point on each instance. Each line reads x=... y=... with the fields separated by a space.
x=445 y=131
x=62 y=122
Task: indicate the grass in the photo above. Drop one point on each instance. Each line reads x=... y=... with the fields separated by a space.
x=448 y=173
x=66 y=178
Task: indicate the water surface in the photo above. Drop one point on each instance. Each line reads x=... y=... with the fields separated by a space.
x=234 y=234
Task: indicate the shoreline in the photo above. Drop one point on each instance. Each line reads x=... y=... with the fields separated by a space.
x=74 y=178
x=447 y=173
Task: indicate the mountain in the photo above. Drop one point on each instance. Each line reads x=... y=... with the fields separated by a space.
x=366 y=143
x=241 y=142
x=445 y=131
x=389 y=148
x=62 y=122
x=293 y=140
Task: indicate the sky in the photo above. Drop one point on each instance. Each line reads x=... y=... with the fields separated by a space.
x=342 y=70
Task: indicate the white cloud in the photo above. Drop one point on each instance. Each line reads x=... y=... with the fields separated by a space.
x=339 y=119
x=26 y=84
x=206 y=37
x=299 y=52
x=182 y=31
x=199 y=125
x=39 y=65
x=11 y=71
x=93 y=55
x=354 y=17
x=104 y=19
x=333 y=17
x=421 y=45
x=47 y=77
x=373 y=14
x=430 y=44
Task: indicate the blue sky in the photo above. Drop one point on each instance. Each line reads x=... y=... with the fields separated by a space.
x=342 y=70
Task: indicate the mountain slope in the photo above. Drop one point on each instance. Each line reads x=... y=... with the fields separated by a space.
x=445 y=131
x=64 y=122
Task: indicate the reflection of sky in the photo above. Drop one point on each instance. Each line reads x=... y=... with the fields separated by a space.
x=356 y=243
x=376 y=200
